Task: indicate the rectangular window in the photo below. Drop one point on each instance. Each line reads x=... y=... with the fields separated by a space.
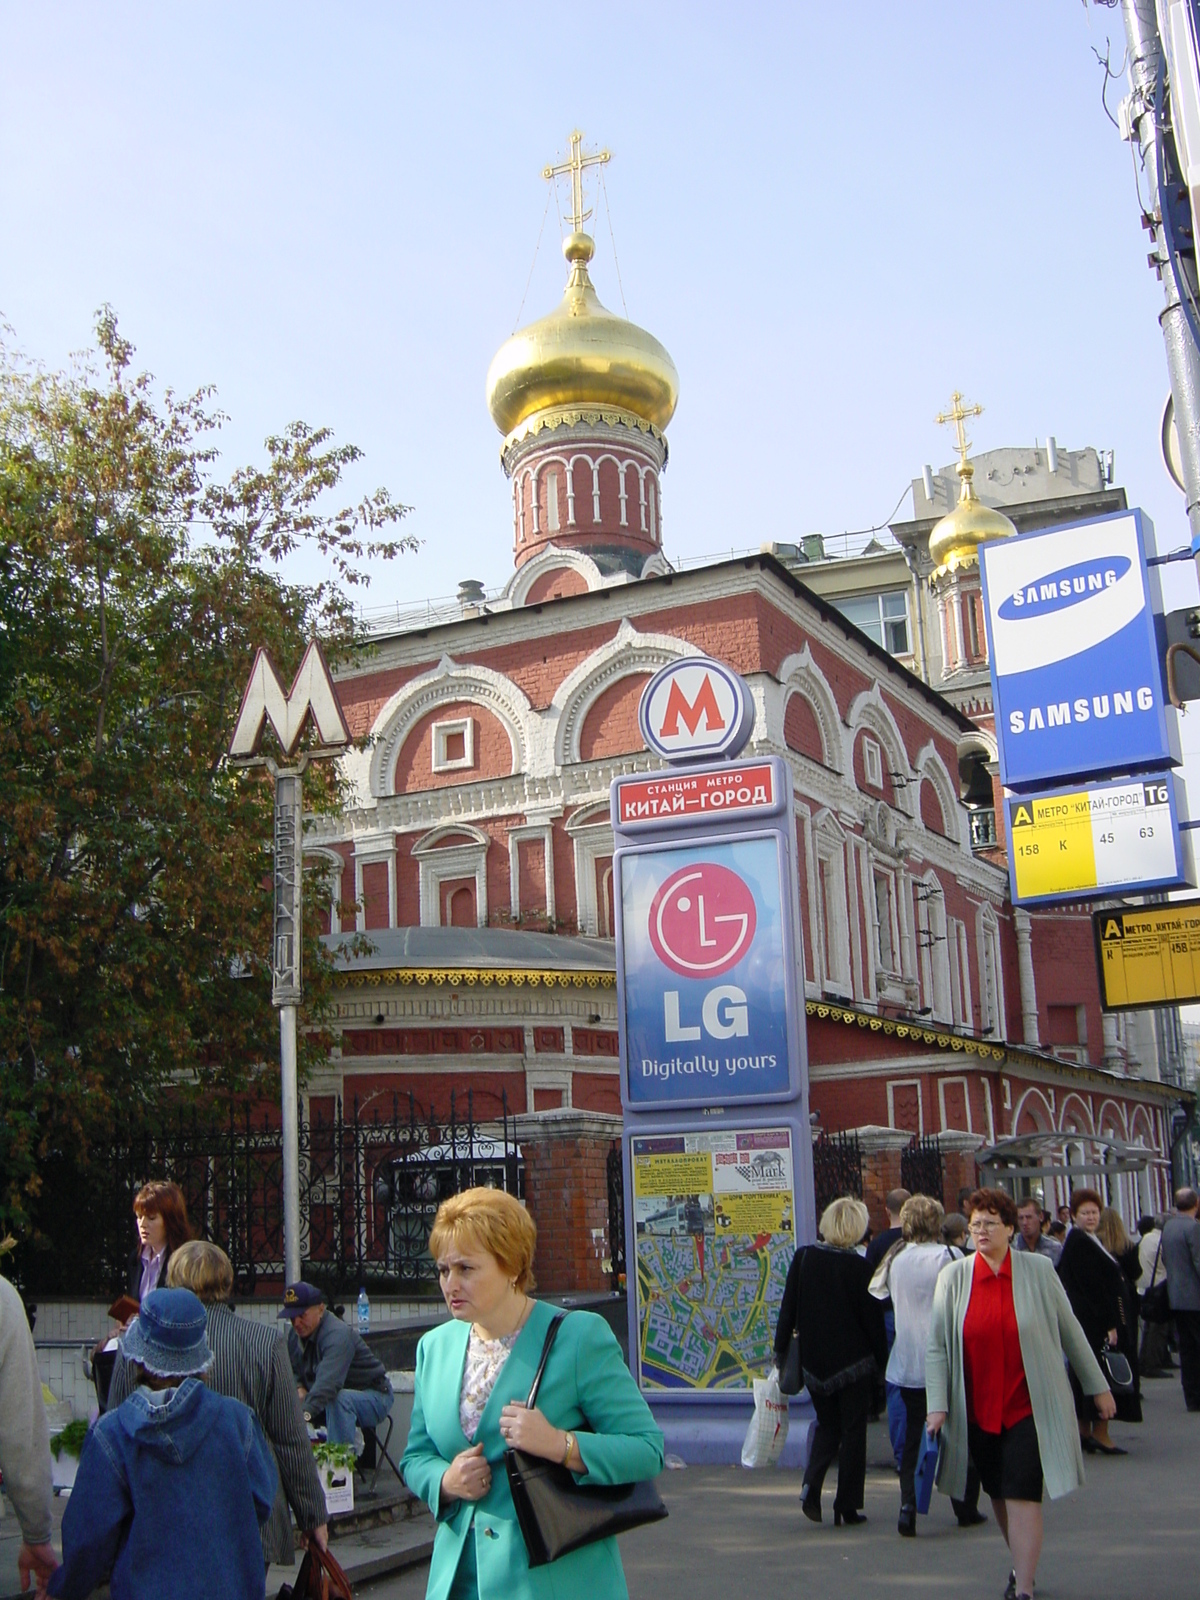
x=552 y=502
x=873 y=764
x=882 y=617
x=884 y=941
x=453 y=745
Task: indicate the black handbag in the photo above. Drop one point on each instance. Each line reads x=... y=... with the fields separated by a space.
x=556 y=1514
x=791 y=1375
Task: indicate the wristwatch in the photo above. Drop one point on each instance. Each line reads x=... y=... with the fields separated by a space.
x=568 y=1447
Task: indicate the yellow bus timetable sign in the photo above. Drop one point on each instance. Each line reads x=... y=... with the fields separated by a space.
x=1149 y=955
x=1110 y=838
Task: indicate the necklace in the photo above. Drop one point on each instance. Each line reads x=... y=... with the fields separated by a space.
x=524 y=1318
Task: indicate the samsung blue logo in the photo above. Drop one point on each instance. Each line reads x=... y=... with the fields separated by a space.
x=1066 y=587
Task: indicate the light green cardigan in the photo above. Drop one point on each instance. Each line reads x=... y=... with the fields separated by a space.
x=587 y=1387
x=1047 y=1328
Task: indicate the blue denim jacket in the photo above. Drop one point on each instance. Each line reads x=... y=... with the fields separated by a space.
x=168 y=1500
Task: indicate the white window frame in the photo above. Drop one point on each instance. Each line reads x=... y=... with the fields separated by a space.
x=991 y=976
x=885 y=876
x=441 y=733
x=933 y=940
x=832 y=933
x=873 y=763
x=592 y=841
x=534 y=830
x=438 y=865
x=552 y=521
x=878 y=596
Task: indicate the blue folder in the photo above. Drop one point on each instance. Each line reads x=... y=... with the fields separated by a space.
x=928 y=1461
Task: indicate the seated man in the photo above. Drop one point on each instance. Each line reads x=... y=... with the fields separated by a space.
x=335 y=1370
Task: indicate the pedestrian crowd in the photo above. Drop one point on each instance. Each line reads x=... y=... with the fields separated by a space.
x=1004 y=1352
x=1006 y=1341
x=189 y=1481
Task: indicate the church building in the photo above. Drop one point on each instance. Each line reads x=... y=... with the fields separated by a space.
x=476 y=854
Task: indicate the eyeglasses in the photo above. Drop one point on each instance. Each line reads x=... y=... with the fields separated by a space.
x=986 y=1225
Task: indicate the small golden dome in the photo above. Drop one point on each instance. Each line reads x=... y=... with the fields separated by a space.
x=955 y=540
x=581 y=356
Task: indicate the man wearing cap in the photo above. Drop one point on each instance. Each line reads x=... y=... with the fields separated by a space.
x=335 y=1369
x=174 y=1484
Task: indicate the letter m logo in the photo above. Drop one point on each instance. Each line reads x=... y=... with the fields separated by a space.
x=312 y=695
x=704 y=705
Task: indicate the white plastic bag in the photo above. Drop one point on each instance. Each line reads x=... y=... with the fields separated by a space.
x=768 y=1429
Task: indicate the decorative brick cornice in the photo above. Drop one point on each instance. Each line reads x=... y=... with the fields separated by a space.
x=468 y=977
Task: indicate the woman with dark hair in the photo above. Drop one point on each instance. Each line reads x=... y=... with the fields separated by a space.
x=1095 y=1286
x=162 y=1226
x=997 y=1385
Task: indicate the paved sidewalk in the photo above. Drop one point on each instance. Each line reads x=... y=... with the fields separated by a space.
x=1132 y=1534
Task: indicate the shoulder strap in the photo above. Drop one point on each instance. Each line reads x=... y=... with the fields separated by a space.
x=541 y=1366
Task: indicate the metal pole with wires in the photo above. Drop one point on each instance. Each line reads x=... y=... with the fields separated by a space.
x=1144 y=116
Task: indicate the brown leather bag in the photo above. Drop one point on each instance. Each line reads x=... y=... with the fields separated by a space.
x=320 y=1578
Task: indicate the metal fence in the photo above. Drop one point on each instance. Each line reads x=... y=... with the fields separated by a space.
x=923 y=1168
x=369 y=1189
x=837 y=1168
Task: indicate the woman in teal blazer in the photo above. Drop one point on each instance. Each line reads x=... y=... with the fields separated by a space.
x=586 y=1386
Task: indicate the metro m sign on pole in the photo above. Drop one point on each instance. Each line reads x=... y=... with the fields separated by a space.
x=312 y=694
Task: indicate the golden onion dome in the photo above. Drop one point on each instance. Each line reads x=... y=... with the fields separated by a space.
x=581 y=356
x=955 y=540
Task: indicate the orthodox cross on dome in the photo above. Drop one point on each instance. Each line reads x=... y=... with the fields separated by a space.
x=958 y=414
x=577 y=163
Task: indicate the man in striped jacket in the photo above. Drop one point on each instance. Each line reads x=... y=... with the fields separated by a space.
x=251 y=1365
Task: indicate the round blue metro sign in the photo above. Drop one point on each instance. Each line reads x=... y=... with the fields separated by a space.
x=696 y=710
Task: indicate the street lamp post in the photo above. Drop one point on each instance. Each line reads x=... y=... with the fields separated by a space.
x=314 y=697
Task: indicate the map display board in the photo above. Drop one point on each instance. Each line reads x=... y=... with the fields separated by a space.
x=714 y=1226
x=1149 y=955
x=1110 y=838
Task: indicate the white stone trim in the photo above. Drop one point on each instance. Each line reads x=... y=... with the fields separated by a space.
x=965 y=1084
x=592 y=843
x=368 y=849
x=544 y=831
x=906 y=1083
x=447 y=683
x=440 y=733
x=800 y=674
x=439 y=863
x=337 y=861
x=871 y=711
x=627 y=654
x=553 y=558
x=929 y=765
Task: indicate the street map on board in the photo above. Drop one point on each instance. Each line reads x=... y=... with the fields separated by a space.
x=714 y=1219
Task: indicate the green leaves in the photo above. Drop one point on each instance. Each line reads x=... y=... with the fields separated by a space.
x=135 y=898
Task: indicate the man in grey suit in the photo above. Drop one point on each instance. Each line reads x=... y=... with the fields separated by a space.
x=1181 y=1258
x=251 y=1365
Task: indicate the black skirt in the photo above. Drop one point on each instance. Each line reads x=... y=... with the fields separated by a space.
x=1009 y=1462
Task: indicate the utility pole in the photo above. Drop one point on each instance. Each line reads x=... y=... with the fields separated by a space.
x=1144 y=116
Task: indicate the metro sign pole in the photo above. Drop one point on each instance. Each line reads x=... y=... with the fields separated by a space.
x=312 y=695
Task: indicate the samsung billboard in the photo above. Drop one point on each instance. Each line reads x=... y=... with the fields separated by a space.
x=1076 y=681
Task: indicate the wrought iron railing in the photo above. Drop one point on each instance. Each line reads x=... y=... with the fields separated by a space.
x=923 y=1168
x=837 y=1168
x=370 y=1186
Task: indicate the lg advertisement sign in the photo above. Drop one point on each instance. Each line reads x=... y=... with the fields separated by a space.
x=714 y=1087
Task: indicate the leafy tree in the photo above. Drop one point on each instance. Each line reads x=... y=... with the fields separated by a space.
x=135 y=893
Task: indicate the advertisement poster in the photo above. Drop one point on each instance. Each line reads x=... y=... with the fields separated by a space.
x=714 y=1223
x=704 y=950
x=1074 y=658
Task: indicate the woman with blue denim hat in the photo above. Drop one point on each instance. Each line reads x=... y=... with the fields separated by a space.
x=173 y=1485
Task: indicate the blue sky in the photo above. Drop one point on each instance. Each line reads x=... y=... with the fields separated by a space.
x=832 y=216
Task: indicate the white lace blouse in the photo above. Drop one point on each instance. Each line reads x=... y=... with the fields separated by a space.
x=485 y=1359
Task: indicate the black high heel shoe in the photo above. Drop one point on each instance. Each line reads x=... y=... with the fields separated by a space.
x=810 y=1504
x=850 y=1518
x=907 y=1525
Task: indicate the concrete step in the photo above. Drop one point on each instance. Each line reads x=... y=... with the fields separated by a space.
x=372 y=1552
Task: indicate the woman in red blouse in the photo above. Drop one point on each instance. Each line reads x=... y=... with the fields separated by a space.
x=994 y=1373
